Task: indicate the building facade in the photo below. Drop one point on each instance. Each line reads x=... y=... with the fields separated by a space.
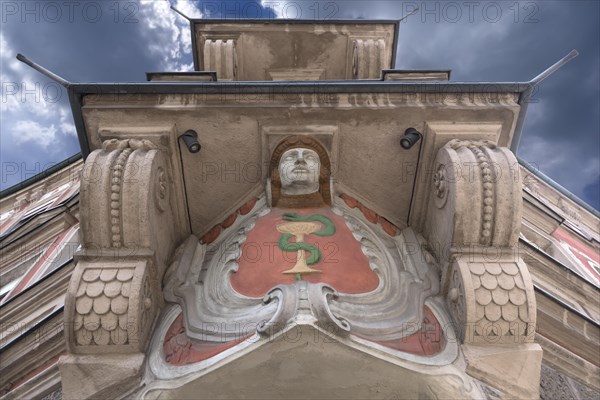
x=297 y=219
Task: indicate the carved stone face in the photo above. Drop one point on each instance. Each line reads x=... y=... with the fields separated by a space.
x=299 y=171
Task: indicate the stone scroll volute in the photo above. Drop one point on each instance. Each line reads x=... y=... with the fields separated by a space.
x=475 y=196
x=126 y=198
x=473 y=227
x=128 y=234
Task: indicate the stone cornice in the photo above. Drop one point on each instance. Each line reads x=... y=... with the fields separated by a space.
x=67 y=174
x=42 y=226
x=569 y=363
x=555 y=203
x=567 y=329
x=319 y=97
x=36 y=347
x=552 y=274
x=48 y=290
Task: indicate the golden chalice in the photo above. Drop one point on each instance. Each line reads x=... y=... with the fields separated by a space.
x=299 y=229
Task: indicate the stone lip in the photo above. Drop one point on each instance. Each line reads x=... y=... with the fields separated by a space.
x=179 y=350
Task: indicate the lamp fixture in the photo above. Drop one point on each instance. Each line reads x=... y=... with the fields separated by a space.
x=190 y=138
x=411 y=137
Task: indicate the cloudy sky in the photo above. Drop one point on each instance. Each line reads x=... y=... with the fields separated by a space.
x=494 y=41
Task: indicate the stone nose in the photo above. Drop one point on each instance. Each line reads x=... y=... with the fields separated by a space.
x=300 y=158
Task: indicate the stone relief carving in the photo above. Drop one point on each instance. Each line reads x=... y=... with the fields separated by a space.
x=112 y=308
x=198 y=281
x=492 y=302
x=474 y=228
x=299 y=171
x=470 y=173
x=162 y=191
x=102 y=302
x=220 y=56
x=440 y=187
x=300 y=188
x=115 y=196
x=217 y=287
x=367 y=58
x=488 y=177
x=112 y=299
x=126 y=191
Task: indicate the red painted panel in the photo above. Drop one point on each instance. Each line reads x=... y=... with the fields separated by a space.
x=179 y=350
x=343 y=264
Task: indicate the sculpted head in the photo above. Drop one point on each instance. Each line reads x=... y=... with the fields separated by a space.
x=299 y=170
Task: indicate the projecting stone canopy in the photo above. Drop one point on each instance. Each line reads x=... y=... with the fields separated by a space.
x=301 y=257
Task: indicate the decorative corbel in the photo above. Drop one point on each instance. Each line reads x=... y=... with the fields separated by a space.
x=129 y=232
x=473 y=227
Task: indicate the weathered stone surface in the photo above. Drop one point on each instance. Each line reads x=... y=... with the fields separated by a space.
x=306 y=363
x=513 y=370
x=99 y=377
x=555 y=385
x=476 y=198
x=279 y=50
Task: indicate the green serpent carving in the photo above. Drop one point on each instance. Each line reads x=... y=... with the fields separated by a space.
x=315 y=254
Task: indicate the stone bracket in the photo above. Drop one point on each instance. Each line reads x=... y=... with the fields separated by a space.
x=475 y=197
x=473 y=226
